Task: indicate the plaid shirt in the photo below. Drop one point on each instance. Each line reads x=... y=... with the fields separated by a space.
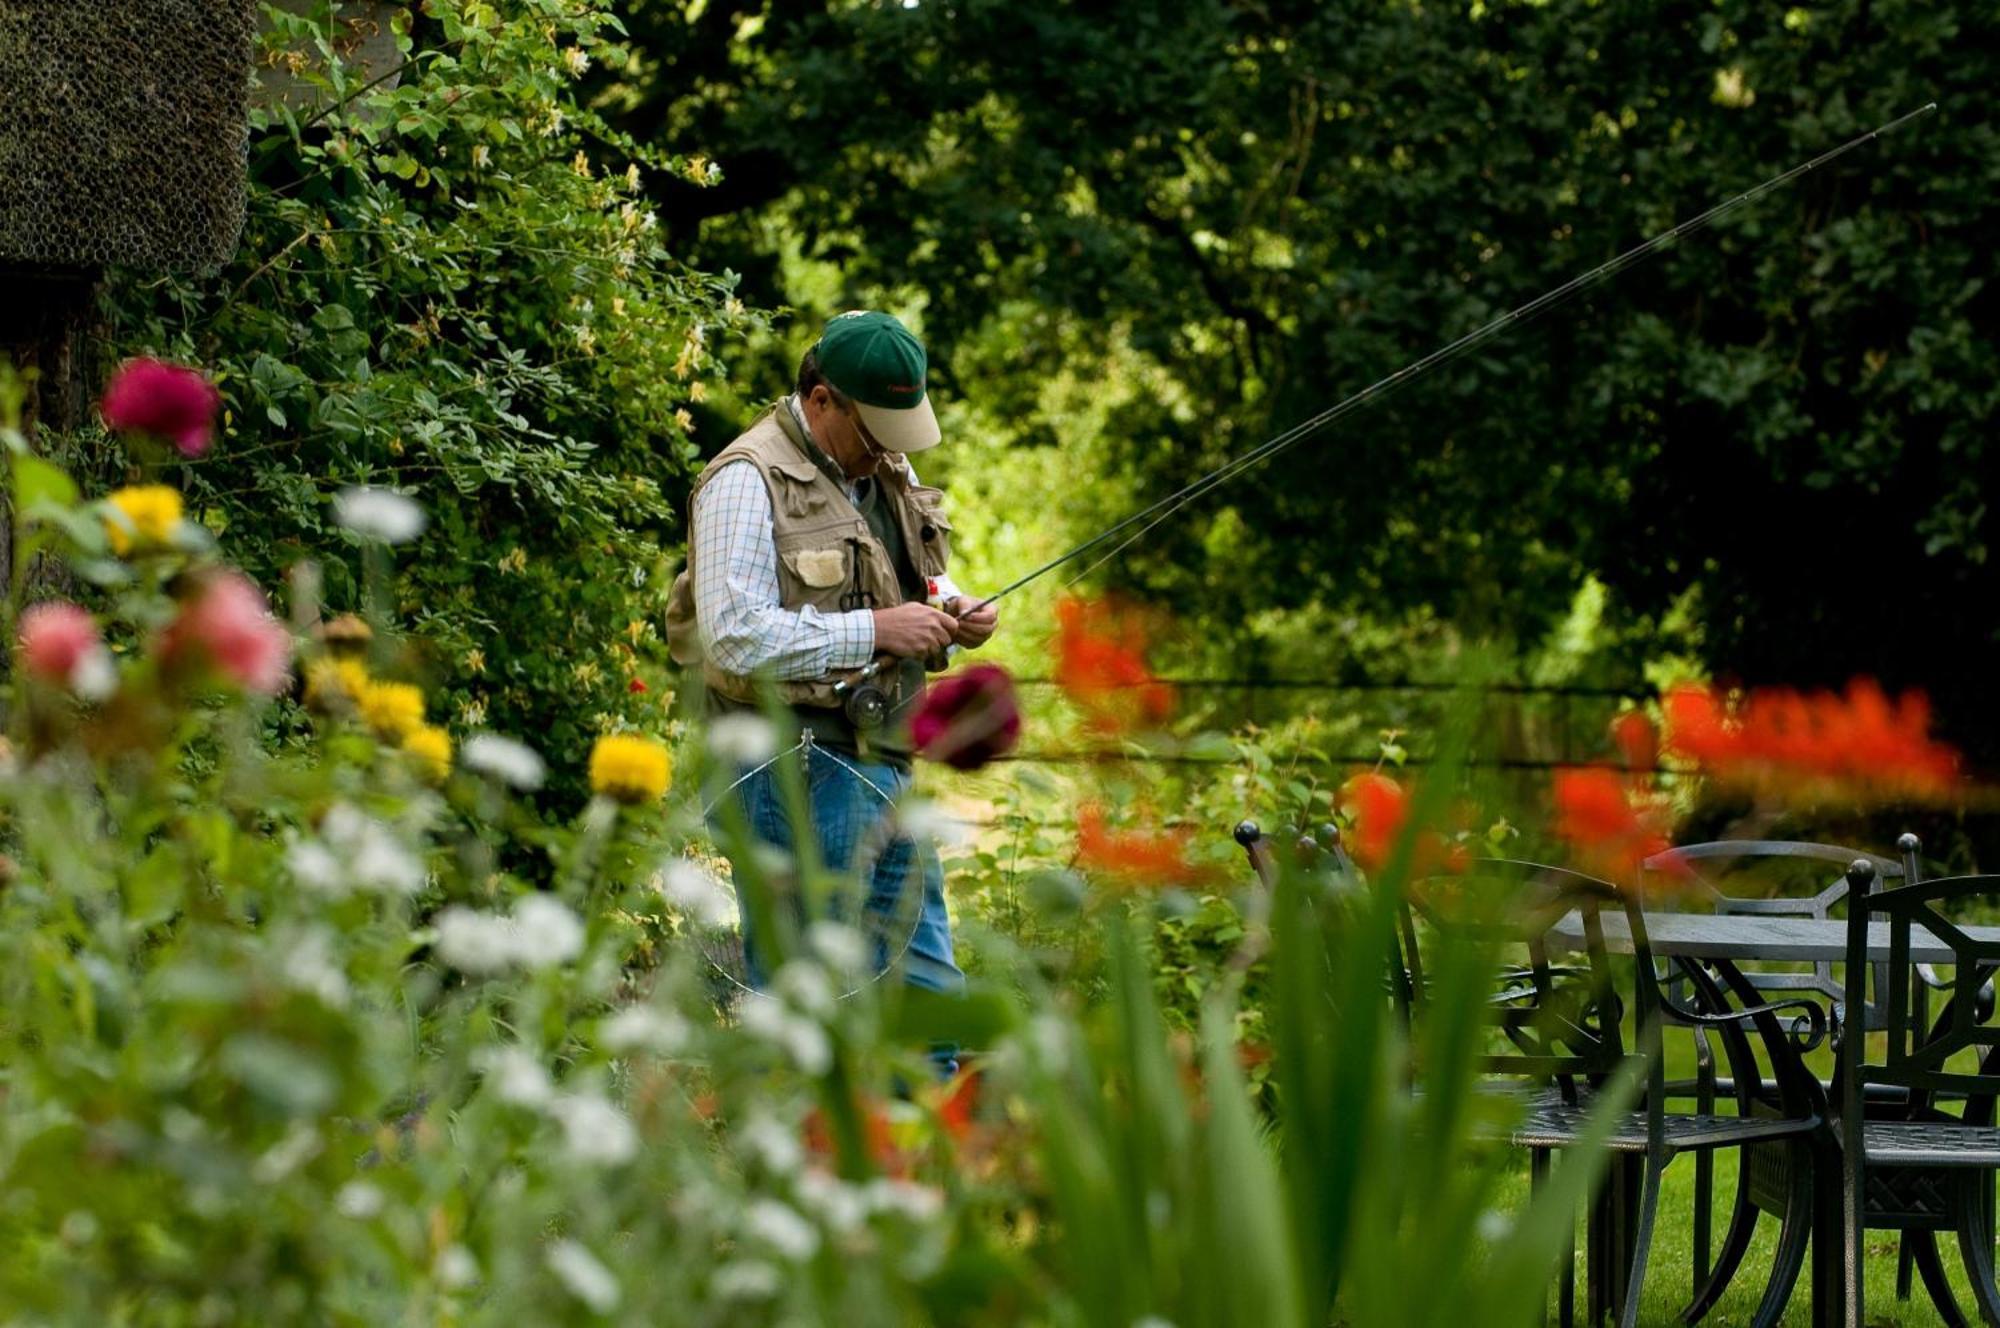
x=738 y=603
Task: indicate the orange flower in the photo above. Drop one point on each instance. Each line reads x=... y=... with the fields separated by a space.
x=1379 y=806
x=885 y=1149
x=1860 y=747
x=1101 y=665
x=1599 y=816
x=1134 y=858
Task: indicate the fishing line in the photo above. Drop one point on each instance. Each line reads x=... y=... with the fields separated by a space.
x=1150 y=518
x=1173 y=503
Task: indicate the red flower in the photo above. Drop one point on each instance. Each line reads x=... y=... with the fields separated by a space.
x=636 y=687
x=1378 y=807
x=1858 y=748
x=968 y=718
x=227 y=626
x=165 y=400
x=1633 y=733
x=1134 y=858
x=1599 y=816
x=1101 y=665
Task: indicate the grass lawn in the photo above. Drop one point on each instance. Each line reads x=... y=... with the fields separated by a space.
x=1670 y=1281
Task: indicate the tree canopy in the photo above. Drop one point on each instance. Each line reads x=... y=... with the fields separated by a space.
x=1776 y=431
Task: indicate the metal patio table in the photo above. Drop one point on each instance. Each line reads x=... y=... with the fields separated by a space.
x=1724 y=940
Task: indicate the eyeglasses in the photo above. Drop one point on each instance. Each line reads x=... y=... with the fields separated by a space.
x=875 y=449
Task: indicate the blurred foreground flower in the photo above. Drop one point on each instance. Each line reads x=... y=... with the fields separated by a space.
x=142 y=516
x=335 y=682
x=510 y=762
x=430 y=747
x=742 y=739
x=1612 y=826
x=228 y=628
x=1101 y=665
x=629 y=768
x=968 y=718
x=379 y=514
x=1378 y=808
x=1861 y=747
x=164 y=400
x=1134 y=858
x=60 y=645
x=540 y=932
x=394 y=710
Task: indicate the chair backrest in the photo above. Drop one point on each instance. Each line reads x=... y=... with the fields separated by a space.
x=1561 y=1021
x=1910 y=933
x=1708 y=867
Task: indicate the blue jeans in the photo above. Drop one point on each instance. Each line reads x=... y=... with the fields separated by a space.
x=843 y=812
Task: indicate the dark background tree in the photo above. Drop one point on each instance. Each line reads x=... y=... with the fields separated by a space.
x=1782 y=426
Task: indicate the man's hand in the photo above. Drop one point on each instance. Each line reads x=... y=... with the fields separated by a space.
x=912 y=631
x=976 y=624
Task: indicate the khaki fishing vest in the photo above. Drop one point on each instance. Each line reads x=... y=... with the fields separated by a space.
x=828 y=558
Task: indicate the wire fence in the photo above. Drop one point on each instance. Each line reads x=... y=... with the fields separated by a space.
x=1524 y=726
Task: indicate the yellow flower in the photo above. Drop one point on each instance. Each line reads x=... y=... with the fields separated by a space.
x=630 y=768
x=430 y=746
x=141 y=515
x=394 y=710
x=327 y=679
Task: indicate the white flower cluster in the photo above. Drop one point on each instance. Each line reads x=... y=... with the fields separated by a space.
x=595 y=1131
x=354 y=851
x=844 y=1207
x=541 y=932
x=794 y=1016
x=742 y=739
x=584 y=1275
x=840 y=947
x=782 y=1229
x=696 y=892
x=510 y=762
x=644 y=1028
x=379 y=514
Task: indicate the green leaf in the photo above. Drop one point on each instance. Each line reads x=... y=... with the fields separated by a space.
x=39 y=481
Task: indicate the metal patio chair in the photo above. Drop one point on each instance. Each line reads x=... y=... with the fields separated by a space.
x=1709 y=871
x=1928 y=1165
x=1566 y=1037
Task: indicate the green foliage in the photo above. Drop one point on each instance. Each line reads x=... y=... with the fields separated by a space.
x=286 y=1038
x=1220 y=220
x=450 y=286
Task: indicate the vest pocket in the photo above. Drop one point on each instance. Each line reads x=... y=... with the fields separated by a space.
x=817 y=569
x=798 y=486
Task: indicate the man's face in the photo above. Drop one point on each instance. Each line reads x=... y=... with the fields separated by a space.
x=839 y=430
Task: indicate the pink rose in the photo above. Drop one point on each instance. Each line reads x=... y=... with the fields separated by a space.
x=165 y=400
x=968 y=718
x=228 y=626
x=55 y=638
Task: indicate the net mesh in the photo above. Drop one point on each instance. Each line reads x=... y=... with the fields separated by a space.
x=122 y=131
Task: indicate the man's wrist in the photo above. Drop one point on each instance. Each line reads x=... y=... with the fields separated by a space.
x=857 y=644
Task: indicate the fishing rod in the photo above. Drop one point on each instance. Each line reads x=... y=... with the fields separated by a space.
x=865 y=702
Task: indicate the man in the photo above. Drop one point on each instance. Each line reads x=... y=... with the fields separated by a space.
x=810 y=554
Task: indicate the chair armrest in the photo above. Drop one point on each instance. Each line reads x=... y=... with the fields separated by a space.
x=1811 y=1013
x=1982 y=1009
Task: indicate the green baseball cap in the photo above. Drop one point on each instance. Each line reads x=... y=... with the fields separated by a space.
x=874 y=361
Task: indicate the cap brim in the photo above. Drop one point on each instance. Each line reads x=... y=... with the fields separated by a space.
x=910 y=430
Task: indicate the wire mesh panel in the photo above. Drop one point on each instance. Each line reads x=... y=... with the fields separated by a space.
x=122 y=131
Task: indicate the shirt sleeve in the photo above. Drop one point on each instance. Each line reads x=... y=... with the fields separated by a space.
x=744 y=625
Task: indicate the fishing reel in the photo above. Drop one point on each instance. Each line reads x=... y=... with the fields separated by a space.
x=865 y=702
